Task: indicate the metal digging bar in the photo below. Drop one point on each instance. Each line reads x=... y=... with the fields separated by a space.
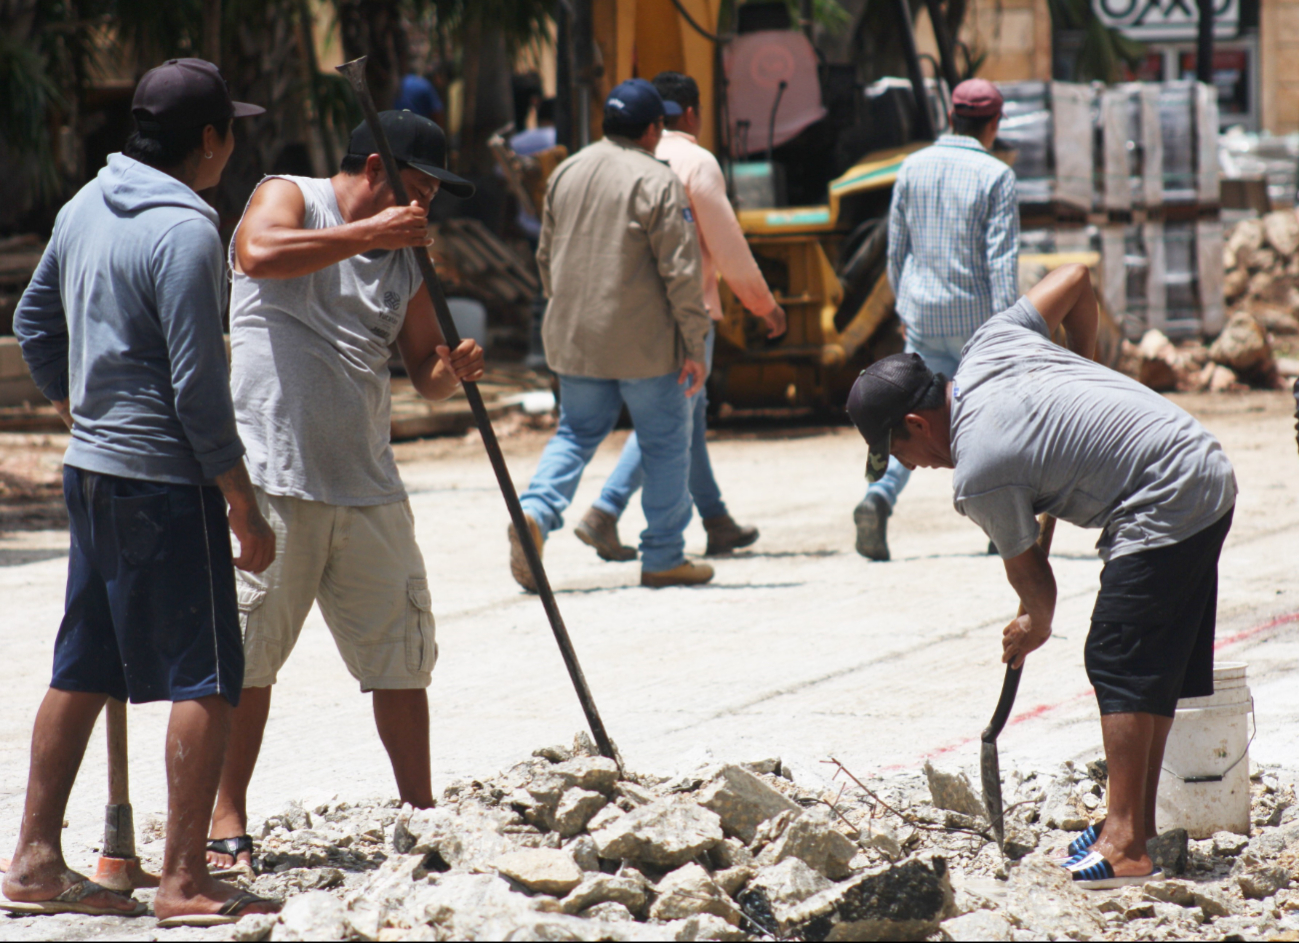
x=354 y=72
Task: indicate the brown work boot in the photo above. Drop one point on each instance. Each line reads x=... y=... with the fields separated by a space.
x=686 y=574
x=724 y=535
x=599 y=529
x=519 y=568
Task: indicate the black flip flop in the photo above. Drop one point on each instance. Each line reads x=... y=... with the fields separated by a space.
x=232 y=911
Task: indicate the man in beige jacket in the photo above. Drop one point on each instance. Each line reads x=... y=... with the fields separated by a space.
x=723 y=249
x=626 y=325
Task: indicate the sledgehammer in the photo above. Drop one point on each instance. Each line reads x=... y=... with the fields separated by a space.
x=354 y=72
x=119 y=869
x=989 y=765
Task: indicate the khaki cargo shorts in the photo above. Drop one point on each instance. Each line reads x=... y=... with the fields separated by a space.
x=362 y=565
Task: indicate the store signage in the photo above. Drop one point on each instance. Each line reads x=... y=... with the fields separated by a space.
x=1166 y=19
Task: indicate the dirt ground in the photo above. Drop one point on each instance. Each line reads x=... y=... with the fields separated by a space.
x=799 y=649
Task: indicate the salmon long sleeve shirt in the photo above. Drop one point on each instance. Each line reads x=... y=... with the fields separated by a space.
x=721 y=240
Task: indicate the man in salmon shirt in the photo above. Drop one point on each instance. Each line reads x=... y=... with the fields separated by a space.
x=724 y=250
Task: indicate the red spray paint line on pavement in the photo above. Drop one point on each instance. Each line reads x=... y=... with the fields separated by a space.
x=1041 y=710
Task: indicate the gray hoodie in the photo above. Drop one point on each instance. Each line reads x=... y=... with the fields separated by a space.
x=123 y=317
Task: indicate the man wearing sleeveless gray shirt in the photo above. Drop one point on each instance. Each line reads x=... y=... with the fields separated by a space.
x=323 y=285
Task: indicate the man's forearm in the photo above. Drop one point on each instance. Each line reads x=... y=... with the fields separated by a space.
x=1031 y=577
x=434 y=380
x=237 y=487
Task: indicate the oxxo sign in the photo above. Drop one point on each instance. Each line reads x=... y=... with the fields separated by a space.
x=1166 y=19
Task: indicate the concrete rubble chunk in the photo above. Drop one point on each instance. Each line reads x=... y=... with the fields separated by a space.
x=742 y=801
x=705 y=927
x=1242 y=345
x=1282 y=231
x=979 y=925
x=666 y=834
x=952 y=790
x=541 y=869
x=1063 y=809
x=577 y=807
x=254 y=928
x=907 y=901
x=632 y=893
x=823 y=848
x=688 y=891
x=883 y=838
x=582 y=848
x=463 y=840
x=610 y=813
x=317 y=915
x=731 y=880
x=1170 y=851
x=634 y=793
x=1260 y=882
x=609 y=911
x=1181 y=893
x=730 y=853
x=783 y=886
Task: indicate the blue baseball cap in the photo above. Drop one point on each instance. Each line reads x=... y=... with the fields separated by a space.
x=636 y=101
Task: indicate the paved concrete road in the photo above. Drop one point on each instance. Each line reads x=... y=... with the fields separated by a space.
x=800 y=648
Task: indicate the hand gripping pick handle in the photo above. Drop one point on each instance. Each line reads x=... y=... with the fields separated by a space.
x=989 y=764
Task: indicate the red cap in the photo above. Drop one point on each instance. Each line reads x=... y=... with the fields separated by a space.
x=976 y=98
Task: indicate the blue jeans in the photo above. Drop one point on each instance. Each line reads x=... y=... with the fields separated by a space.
x=629 y=474
x=588 y=410
x=941 y=355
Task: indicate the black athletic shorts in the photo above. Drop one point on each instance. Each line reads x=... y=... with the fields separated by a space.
x=1151 y=640
x=151 y=611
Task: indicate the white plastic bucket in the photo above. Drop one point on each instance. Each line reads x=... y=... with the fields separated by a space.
x=1204 y=787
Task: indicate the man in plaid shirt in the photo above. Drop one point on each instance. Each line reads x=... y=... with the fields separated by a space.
x=953 y=261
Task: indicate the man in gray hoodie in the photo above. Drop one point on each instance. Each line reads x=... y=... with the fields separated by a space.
x=121 y=329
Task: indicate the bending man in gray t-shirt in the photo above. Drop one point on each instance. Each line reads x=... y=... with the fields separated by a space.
x=1032 y=428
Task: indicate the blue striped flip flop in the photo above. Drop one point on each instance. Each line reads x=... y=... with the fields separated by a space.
x=1094 y=873
x=1080 y=846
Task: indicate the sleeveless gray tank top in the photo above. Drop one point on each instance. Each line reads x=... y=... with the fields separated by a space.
x=309 y=369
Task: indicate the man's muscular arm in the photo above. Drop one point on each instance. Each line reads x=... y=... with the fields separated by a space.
x=434 y=368
x=1033 y=580
x=271 y=242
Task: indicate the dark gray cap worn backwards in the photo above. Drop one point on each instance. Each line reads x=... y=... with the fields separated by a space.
x=881 y=398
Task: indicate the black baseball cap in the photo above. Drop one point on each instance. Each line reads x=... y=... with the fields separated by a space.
x=882 y=396
x=185 y=93
x=416 y=141
x=637 y=101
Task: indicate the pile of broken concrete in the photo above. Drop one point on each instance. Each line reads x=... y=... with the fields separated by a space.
x=1257 y=347
x=564 y=846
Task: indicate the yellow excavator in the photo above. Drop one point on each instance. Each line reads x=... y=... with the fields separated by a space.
x=777 y=115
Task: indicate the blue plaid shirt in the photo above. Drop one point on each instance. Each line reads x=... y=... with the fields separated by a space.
x=953 y=238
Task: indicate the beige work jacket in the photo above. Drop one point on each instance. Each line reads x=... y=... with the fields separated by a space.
x=620 y=262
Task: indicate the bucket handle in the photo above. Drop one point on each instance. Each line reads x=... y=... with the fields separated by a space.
x=1219 y=777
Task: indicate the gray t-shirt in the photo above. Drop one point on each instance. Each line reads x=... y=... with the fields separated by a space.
x=1036 y=428
x=310 y=369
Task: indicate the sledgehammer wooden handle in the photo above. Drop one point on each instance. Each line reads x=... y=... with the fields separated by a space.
x=354 y=72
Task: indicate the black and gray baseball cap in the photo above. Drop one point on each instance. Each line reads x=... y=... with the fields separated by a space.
x=185 y=93
x=881 y=398
x=415 y=140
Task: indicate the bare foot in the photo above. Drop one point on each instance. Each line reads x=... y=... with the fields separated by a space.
x=205 y=895
x=1124 y=862
x=34 y=887
x=220 y=860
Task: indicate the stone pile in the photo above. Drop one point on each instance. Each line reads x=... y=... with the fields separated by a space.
x=565 y=846
x=1259 y=346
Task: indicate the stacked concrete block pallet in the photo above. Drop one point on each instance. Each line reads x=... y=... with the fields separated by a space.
x=1129 y=171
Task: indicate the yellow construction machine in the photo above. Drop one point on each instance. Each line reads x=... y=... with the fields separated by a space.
x=824 y=260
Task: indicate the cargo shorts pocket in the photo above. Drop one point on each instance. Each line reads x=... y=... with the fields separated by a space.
x=421 y=647
x=250 y=601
